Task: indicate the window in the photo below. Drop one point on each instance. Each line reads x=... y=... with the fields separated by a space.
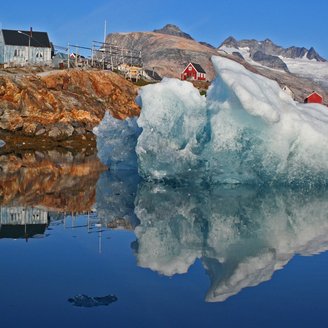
x=189 y=68
x=39 y=54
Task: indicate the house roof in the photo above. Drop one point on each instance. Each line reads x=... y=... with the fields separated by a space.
x=312 y=93
x=38 y=39
x=152 y=74
x=198 y=68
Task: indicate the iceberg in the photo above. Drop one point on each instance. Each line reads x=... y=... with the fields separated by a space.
x=116 y=142
x=247 y=130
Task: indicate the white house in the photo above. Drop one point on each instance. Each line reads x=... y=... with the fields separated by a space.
x=24 y=47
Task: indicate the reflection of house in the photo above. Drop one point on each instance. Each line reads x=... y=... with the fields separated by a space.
x=22 y=222
x=193 y=71
x=314 y=97
x=24 y=47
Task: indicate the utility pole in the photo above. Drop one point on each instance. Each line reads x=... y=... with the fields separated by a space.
x=68 y=57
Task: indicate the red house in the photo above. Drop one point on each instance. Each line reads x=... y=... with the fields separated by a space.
x=193 y=72
x=314 y=97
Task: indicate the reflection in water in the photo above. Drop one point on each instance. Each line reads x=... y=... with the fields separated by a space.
x=116 y=192
x=22 y=222
x=58 y=180
x=35 y=183
x=241 y=236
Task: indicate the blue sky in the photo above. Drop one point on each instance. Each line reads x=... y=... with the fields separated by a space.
x=285 y=22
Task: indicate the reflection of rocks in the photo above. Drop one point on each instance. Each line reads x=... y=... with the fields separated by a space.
x=57 y=179
x=241 y=236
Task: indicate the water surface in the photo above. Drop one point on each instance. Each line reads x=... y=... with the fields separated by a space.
x=84 y=247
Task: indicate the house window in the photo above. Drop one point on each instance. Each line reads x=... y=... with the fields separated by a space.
x=189 y=68
x=39 y=55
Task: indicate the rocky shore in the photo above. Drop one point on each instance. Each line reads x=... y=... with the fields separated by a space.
x=60 y=106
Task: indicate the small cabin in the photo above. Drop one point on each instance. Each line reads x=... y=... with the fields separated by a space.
x=194 y=72
x=24 y=47
x=314 y=97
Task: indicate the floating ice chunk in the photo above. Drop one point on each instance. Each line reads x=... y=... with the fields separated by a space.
x=116 y=142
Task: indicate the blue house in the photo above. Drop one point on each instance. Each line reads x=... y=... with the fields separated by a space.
x=24 y=47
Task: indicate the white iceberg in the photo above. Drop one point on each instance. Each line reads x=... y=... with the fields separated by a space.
x=116 y=142
x=247 y=130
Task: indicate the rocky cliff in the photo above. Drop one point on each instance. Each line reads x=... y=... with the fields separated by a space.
x=61 y=104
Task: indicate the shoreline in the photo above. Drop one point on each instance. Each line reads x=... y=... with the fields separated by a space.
x=18 y=142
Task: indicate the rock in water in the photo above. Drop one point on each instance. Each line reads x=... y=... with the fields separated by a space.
x=87 y=301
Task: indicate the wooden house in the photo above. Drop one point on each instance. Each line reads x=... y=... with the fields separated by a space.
x=193 y=71
x=314 y=97
x=24 y=47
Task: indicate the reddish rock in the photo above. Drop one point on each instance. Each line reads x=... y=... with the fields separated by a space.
x=57 y=102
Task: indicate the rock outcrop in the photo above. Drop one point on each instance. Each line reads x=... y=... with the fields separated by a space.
x=61 y=104
x=171 y=29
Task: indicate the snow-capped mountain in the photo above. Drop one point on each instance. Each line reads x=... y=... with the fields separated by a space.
x=297 y=60
x=269 y=48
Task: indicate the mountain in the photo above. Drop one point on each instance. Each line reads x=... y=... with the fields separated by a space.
x=267 y=47
x=171 y=29
x=300 y=61
x=165 y=53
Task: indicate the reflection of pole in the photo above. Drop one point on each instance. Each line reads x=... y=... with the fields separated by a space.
x=99 y=241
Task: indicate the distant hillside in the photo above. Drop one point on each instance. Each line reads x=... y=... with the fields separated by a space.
x=167 y=54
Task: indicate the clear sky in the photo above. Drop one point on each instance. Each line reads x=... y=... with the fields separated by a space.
x=285 y=22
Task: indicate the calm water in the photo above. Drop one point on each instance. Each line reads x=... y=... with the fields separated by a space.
x=83 y=247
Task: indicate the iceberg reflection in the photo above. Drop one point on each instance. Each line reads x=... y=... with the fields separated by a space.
x=241 y=235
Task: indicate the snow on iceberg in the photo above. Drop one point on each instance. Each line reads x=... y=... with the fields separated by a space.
x=247 y=130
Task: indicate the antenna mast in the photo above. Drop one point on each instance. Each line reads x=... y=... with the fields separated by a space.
x=105 y=31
